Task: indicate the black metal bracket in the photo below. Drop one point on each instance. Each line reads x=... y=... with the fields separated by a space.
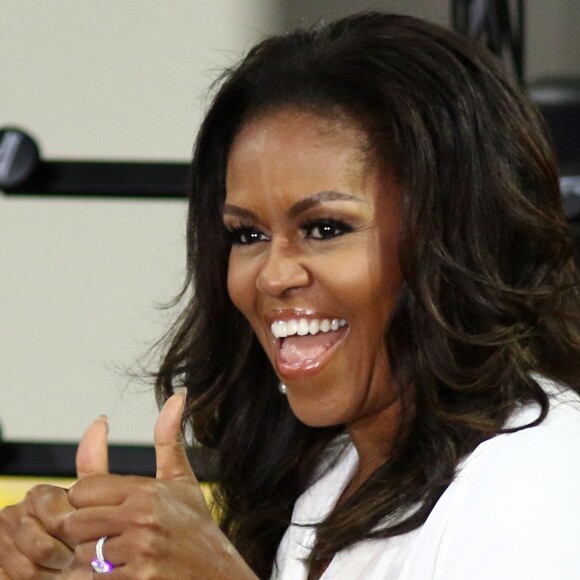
x=23 y=172
x=58 y=460
x=105 y=179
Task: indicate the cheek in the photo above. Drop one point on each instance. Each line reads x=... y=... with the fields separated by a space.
x=368 y=289
x=363 y=279
x=241 y=286
x=235 y=284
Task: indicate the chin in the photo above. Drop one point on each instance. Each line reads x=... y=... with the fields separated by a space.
x=312 y=415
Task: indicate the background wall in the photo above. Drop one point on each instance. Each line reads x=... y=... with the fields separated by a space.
x=126 y=79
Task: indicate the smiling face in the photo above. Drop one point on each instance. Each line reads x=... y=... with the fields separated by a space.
x=314 y=225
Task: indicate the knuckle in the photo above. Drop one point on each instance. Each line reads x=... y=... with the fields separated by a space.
x=148 y=546
x=41 y=495
x=148 y=489
x=148 y=571
x=42 y=549
x=148 y=521
x=37 y=491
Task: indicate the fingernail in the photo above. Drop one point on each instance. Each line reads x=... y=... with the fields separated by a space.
x=180 y=391
x=105 y=420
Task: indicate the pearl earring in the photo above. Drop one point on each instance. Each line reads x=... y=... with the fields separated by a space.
x=282 y=388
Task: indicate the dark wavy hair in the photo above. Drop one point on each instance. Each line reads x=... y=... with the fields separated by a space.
x=490 y=295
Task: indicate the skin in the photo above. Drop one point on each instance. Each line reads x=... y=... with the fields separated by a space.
x=158 y=527
x=279 y=167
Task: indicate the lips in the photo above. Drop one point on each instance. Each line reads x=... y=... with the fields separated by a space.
x=305 y=344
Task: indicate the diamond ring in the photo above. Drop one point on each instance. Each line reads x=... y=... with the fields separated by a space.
x=99 y=564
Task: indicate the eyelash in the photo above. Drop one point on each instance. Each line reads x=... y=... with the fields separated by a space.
x=252 y=236
x=327 y=230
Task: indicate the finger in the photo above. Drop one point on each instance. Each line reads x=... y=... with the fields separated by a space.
x=18 y=566
x=92 y=453
x=50 y=506
x=171 y=458
x=15 y=524
x=42 y=549
x=115 y=551
x=106 y=490
x=86 y=524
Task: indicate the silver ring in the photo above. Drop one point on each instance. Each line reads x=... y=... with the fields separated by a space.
x=99 y=564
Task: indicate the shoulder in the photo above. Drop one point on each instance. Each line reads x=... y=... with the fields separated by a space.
x=552 y=447
x=514 y=508
x=521 y=466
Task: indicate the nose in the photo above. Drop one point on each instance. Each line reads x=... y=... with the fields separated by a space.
x=282 y=270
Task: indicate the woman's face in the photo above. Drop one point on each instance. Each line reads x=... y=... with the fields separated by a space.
x=314 y=266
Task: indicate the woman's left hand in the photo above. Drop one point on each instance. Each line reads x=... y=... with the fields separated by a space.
x=155 y=528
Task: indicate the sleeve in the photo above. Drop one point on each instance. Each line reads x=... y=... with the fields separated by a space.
x=281 y=556
x=520 y=514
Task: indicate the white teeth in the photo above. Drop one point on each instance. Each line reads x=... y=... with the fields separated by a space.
x=291 y=327
x=302 y=326
x=302 y=329
x=279 y=329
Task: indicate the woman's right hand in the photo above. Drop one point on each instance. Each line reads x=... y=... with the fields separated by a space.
x=29 y=532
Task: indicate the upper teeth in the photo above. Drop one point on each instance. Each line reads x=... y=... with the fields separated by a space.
x=302 y=326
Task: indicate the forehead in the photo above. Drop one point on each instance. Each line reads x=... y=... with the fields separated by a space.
x=280 y=159
x=301 y=135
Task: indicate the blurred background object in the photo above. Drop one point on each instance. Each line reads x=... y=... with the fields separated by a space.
x=499 y=24
x=558 y=98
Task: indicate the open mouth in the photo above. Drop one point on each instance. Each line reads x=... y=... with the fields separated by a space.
x=303 y=343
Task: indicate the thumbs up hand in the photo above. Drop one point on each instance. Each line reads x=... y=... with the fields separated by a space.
x=33 y=538
x=155 y=527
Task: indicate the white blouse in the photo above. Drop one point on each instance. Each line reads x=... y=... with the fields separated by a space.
x=512 y=512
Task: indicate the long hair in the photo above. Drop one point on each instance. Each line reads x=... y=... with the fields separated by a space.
x=490 y=289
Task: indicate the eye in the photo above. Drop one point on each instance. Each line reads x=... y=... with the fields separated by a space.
x=325 y=229
x=245 y=236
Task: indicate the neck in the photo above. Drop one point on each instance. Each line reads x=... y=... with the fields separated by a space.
x=374 y=437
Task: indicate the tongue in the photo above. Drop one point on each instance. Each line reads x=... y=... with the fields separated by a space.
x=296 y=349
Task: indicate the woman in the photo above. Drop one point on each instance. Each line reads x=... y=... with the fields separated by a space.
x=379 y=338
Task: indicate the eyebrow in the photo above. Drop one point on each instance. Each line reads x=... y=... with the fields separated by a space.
x=300 y=206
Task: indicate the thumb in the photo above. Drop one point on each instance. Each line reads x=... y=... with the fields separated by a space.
x=171 y=458
x=92 y=452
